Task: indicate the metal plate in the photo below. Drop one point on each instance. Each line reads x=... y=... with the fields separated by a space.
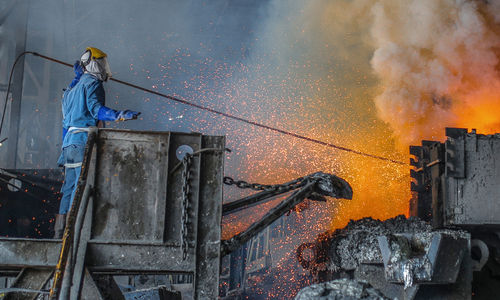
x=473 y=200
x=131 y=185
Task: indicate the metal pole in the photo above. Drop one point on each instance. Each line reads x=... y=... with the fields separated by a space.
x=70 y=227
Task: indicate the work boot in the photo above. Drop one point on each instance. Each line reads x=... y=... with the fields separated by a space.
x=59 y=225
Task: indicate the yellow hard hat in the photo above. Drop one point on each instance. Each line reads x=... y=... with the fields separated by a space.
x=96 y=53
x=90 y=54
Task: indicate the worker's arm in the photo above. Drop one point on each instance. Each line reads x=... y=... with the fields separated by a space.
x=95 y=100
x=77 y=68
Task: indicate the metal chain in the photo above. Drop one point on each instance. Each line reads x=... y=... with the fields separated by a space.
x=265 y=187
x=186 y=190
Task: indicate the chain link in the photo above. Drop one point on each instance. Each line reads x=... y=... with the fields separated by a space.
x=265 y=187
x=186 y=190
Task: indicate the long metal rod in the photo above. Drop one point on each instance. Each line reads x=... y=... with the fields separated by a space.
x=437 y=161
x=70 y=227
x=67 y=279
x=179 y=100
x=21 y=290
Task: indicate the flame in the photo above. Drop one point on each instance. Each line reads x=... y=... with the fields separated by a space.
x=381 y=189
x=374 y=76
x=377 y=88
x=481 y=113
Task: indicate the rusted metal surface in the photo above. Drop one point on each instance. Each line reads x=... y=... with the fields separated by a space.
x=472 y=189
x=131 y=186
x=461 y=190
x=139 y=227
x=428 y=163
x=136 y=257
x=89 y=290
x=158 y=293
x=174 y=212
x=108 y=287
x=456 y=182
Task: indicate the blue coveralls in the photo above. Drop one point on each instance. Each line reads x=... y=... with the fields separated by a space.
x=80 y=107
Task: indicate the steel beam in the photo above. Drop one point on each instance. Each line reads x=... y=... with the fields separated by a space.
x=137 y=257
x=209 y=219
x=29 y=279
x=22 y=253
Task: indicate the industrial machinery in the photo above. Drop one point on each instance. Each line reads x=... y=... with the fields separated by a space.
x=449 y=248
x=250 y=251
x=146 y=203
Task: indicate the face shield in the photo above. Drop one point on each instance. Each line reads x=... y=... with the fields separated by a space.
x=96 y=64
x=99 y=68
x=104 y=67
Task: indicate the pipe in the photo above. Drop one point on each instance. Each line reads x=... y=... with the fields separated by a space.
x=70 y=227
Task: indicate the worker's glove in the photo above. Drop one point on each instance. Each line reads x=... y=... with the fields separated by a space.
x=78 y=69
x=124 y=115
x=108 y=114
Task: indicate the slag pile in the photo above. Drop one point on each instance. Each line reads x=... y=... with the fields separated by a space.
x=357 y=242
x=344 y=249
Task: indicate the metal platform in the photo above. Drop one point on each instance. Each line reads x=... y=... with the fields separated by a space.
x=135 y=217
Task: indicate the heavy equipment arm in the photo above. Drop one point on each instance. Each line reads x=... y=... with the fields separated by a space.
x=314 y=187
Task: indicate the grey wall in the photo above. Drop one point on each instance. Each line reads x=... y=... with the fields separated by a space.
x=184 y=48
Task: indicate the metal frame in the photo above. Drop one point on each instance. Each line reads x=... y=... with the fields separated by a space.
x=314 y=186
x=148 y=241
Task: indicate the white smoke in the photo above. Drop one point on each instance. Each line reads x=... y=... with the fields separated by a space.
x=436 y=59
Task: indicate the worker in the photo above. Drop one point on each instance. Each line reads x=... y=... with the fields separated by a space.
x=83 y=107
